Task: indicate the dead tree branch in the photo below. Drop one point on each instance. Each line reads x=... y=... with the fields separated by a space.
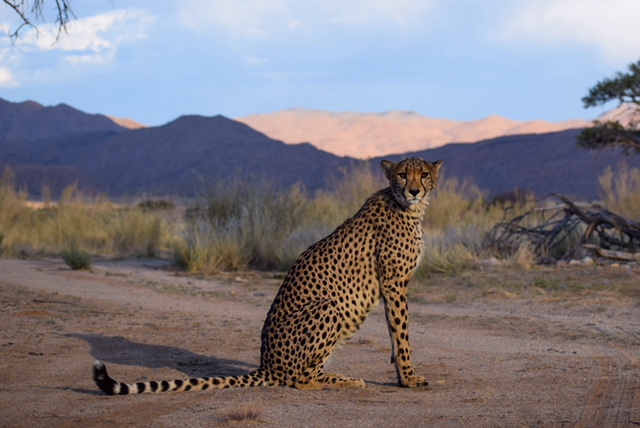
x=63 y=14
x=556 y=231
x=612 y=230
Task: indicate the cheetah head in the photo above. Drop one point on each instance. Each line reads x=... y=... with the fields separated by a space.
x=412 y=181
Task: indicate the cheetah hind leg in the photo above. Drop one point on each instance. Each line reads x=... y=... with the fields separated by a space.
x=333 y=380
x=330 y=381
x=314 y=377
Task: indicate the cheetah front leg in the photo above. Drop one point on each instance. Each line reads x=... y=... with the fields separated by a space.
x=397 y=314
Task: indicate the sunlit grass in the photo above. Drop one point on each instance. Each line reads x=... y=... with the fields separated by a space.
x=97 y=227
x=620 y=191
x=239 y=225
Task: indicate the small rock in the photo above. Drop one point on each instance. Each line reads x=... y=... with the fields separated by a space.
x=587 y=261
x=490 y=264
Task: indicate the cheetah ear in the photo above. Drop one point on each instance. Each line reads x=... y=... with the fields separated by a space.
x=437 y=164
x=387 y=167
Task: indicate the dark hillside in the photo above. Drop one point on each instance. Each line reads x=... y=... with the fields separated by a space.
x=29 y=121
x=179 y=158
x=542 y=163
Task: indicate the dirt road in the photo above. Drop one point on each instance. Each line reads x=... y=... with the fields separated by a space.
x=532 y=355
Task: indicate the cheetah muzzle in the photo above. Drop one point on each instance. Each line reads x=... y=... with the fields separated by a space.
x=329 y=291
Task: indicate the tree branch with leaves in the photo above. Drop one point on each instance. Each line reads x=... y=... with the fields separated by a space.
x=624 y=88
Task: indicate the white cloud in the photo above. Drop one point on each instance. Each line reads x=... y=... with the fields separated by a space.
x=259 y=19
x=6 y=78
x=91 y=40
x=611 y=27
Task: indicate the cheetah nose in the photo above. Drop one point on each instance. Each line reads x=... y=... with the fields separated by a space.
x=414 y=192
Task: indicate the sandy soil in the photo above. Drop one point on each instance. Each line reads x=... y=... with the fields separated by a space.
x=537 y=355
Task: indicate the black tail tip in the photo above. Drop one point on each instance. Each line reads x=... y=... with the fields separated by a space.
x=102 y=379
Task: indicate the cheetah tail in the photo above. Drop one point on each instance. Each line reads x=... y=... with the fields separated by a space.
x=111 y=386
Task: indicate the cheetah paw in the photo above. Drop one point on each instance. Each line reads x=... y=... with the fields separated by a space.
x=414 y=381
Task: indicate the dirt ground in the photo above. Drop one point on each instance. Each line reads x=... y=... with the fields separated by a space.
x=548 y=347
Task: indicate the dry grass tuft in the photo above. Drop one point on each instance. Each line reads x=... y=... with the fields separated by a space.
x=244 y=415
x=620 y=191
x=523 y=258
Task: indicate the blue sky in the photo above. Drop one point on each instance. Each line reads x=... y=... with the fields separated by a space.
x=154 y=60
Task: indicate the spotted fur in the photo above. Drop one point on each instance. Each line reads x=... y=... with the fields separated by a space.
x=329 y=291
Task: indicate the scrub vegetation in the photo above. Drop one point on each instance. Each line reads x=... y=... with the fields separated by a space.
x=241 y=225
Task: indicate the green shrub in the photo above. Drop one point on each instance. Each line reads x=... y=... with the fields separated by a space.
x=76 y=259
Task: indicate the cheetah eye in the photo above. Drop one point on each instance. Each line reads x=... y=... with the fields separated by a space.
x=402 y=175
x=426 y=175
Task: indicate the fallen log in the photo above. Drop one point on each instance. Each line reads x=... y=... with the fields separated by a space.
x=614 y=255
x=604 y=219
x=558 y=230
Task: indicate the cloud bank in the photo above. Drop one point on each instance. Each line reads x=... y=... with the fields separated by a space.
x=91 y=41
x=261 y=19
x=611 y=27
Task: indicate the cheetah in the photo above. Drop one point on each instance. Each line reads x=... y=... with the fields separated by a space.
x=330 y=290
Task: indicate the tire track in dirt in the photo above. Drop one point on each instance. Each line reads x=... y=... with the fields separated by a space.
x=615 y=398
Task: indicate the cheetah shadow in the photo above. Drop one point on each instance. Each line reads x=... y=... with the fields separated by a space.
x=121 y=351
x=118 y=350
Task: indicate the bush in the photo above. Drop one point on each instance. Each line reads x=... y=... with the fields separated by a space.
x=76 y=259
x=240 y=225
x=446 y=253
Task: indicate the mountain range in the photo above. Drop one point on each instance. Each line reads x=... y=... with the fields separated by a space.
x=178 y=158
x=367 y=135
x=59 y=145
